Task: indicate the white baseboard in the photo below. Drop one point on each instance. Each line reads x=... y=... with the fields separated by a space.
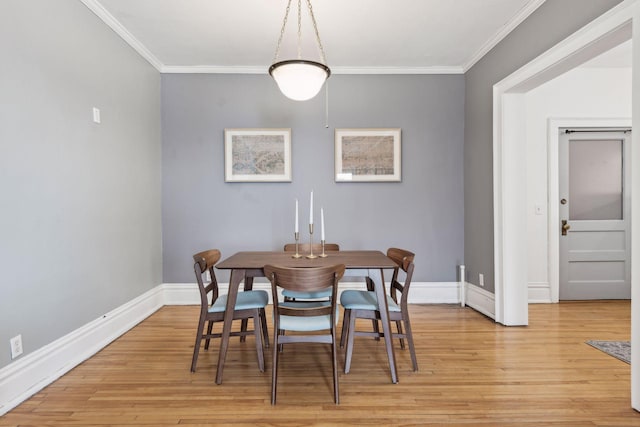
x=421 y=292
x=480 y=300
x=28 y=375
x=539 y=293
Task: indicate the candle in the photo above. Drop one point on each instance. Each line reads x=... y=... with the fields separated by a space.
x=296 y=229
x=322 y=223
x=311 y=210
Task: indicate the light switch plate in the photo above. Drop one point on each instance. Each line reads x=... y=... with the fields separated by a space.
x=96 y=115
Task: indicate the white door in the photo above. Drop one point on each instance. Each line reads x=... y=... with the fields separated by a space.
x=594 y=213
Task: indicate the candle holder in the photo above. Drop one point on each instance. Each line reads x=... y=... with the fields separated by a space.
x=311 y=255
x=296 y=235
x=323 y=255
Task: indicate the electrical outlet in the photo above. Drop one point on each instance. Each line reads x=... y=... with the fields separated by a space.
x=481 y=279
x=16 y=346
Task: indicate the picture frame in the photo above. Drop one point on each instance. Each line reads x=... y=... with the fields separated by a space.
x=257 y=155
x=368 y=155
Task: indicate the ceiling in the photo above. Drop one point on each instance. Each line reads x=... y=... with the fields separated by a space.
x=359 y=36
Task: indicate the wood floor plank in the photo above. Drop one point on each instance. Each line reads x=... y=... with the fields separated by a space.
x=472 y=372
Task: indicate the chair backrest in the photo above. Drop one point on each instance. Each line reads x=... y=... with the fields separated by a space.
x=304 y=280
x=204 y=261
x=317 y=247
x=404 y=259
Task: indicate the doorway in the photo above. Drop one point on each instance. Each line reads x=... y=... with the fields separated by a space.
x=510 y=284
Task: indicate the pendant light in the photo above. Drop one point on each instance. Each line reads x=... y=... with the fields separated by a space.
x=299 y=79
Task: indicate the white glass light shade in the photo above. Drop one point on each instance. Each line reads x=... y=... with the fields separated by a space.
x=299 y=79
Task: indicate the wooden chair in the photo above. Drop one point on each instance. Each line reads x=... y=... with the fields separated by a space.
x=250 y=304
x=364 y=305
x=304 y=317
x=303 y=249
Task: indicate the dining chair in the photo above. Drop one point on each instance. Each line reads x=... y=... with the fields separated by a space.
x=304 y=319
x=249 y=304
x=364 y=305
x=305 y=248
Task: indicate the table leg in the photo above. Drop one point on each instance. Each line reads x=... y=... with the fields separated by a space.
x=248 y=286
x=234 y=282
x=378 y=279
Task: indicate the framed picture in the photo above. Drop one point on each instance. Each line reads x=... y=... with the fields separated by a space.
x=367 y=155
x=257 y=155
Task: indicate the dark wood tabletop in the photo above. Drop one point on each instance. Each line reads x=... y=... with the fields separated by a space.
x=351 y=259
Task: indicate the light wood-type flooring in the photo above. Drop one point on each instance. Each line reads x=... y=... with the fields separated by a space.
x=472 y=372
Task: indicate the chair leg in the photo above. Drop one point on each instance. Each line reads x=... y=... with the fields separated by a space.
x=258 y=336
x=281 y=347
x=412 y=348
x=274 y=367
x=209 y=329
x=334 y=360
x=196 y=347
x=351 y=333
x=399 y=327
x=265 y=329
x=345 y=327
x=243 y=328
x=376 y=328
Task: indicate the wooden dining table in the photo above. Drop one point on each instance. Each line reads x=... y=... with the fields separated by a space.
x=247 y=265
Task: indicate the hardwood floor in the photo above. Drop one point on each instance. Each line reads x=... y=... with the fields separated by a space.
x=472 y=372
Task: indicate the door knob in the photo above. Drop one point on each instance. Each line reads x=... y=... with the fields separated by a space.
x=565 y=227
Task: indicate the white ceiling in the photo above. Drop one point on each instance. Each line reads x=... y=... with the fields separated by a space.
x=359 y=36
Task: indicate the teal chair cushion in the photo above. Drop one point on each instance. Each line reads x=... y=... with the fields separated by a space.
x=246 y=300
x=306 y=324
x=364 y=300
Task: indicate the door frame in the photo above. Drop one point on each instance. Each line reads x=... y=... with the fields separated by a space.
x=553 y=190
x=509 y=178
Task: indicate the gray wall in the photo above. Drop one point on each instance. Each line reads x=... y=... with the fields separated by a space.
x=423 y=213
x=80 y=230
x=548 y=25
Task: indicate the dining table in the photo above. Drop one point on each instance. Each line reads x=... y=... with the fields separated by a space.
x=244 y=266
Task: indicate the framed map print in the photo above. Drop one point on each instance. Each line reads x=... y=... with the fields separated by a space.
x=367 y=155
x=257 y=155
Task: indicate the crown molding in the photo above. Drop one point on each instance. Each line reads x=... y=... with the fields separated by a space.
x=115 y=25
x=214 y=69
x=397 y=70
x=96 y=7
x=523 y=14
x=206 y=69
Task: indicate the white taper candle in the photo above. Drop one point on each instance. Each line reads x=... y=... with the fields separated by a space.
x=322 y=223
x=296 y=229
x=311 y=209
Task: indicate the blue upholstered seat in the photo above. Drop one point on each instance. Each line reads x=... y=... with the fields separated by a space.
x=307 y=324
x=246 y=300
x=364 y=300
